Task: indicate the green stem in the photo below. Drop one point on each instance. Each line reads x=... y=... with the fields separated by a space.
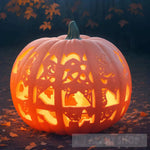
x=73 y=31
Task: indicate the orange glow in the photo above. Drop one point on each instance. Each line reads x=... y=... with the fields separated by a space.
x=84 y=58
x=23 y=114
x=20 y=57
x=85 y=117
x=66 y=120
x=47 y=96
x=113 y=115
x=83 y=67
x=40 y=72
x=112 y=98
x=54 y=59
x=91 y=77
x=22 y=91
x=123 y=110
x=127 y=93
x=34 y=94
x=104 y=81
x=49 y=116
x=74 y=100
x=69 y=57
x=82 y=76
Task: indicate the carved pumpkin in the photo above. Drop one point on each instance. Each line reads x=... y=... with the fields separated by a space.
x=73 y=84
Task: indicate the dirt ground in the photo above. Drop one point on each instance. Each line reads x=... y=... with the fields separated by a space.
x=16 y=135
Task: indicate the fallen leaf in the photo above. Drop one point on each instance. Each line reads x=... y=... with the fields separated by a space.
x=143 y=114
x=5 y=138
x=30 y=146
x=129 y=129
x=23 y=129
x=43 y=143
x=91 y=147
x=60 y=146
x=2 y=145
x=13 y=134
x=8 y=124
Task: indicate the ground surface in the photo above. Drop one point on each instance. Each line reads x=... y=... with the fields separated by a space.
x=16 y=135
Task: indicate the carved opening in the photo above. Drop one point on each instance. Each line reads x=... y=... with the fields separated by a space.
x=127 y=93
x=47 y=115
x=68 y=57
x=20 y=57
x=112 y=98
x=86 y=118
x=22 y=91
x=24 y=114
x=48 y=96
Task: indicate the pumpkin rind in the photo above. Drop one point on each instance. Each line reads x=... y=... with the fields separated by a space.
x=71 y=86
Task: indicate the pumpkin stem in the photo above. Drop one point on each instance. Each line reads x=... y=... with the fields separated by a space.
x=73 y=31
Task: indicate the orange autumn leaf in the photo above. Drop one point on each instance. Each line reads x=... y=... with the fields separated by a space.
x=91 y=24
x=117 y=11
x=5 y=138
x=66 y=20
x=29 y=13
x=2 y=145
x=52 y=10
x=23 y=2
x=122 y=23
x=143 y=114
x=3 y=15
x=8 y=124
x=23 y=129
x=60 y=146
x=108 y=17
x=76 y=4
x=30 y=146
x=46 y=25
x=85 y=13
x=136 y=8
x=13 y=134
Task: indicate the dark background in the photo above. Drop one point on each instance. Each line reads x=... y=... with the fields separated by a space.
x=132 y=37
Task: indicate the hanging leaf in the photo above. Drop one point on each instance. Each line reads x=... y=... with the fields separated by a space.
x=85 y=13
x=66 y=20
x=91 y=24
x=52 y=10
x=75 y=7
x=30 y=146
x=46 y=25
x=109 y=17
x=30 y=13
x=136 y=8
x=3 y=15
x=122 y=23
x=23 y=2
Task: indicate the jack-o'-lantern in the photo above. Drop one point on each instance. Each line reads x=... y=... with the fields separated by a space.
x=73 y=84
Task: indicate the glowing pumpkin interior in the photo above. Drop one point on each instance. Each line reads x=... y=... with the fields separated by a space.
x=70 y=88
